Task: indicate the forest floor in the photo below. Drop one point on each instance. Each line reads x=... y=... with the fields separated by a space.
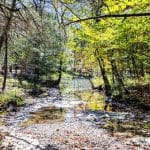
x=50 y=123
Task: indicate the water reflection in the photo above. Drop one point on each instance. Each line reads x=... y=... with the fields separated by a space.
x=49 y=114
x=94 y=100
x=80 y=89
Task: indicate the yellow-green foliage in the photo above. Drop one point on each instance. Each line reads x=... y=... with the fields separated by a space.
x=50 y=76
x=12 y=95
x=94 y=100
x=10 y=81
x=141 y=81
x=97 y=81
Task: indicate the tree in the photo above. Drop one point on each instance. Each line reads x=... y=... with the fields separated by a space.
x=108 y=38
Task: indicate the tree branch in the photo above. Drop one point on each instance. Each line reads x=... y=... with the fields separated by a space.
x=10 y=9
x=110 y=16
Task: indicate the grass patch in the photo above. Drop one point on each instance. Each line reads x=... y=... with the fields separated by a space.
x=16 y=95
x=50 y=76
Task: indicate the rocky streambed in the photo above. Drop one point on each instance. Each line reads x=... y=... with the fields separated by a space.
x=58 y=121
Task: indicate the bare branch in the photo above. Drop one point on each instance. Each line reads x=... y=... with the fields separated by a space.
x=10 y=9
x=110 y=16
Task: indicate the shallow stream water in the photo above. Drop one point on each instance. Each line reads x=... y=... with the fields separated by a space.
x=76 y=99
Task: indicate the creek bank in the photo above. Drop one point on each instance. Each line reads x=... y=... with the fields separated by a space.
x=120 y=117
x=137 y=100
x=13 y=119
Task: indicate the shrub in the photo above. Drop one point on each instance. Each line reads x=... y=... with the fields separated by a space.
x=15 y=95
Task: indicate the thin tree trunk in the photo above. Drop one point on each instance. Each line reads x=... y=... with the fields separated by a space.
x=20 y=76
x=118 y=77
x=105 y=79
x=142 y=73
x=60 y=71
x=136 y=74
x=115 y=72
x=7 y=25
x=92 y=85
x=108 y=91
x=5 y=64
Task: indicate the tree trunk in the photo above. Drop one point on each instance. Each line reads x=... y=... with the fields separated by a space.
x=60 y=72
x=136 y=74
x=108 y=91
x=7 y=25
x=20 y=77
x=118 y=77
x=5 y=64
x=142 y=73
x=92 y=85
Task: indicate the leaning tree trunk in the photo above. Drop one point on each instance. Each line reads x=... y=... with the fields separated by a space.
x=115 y=71
x=108 y=91
x=118 y=77
x=92 y=85
x=5 y=63
x=105 y=79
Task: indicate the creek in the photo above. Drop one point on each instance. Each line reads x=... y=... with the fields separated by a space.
x=75 y=101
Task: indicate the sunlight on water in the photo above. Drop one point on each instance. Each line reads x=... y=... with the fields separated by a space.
x=94 y=100
x=80 y=89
